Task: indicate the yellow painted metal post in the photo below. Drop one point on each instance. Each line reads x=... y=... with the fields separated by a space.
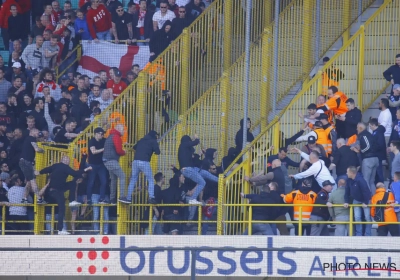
x=185 y=74
x=307 y=37
x=267 y=53
x=228 y=19
x=141 y=105
x=221 y=192
x=276 y=137
x=301 y=221
x=154 y=164
x=3 y=221
x=224 y=118
x=361 y=62
x=199 y=220
x=269 y=8
x=319 y=89
x=346 y=20
x=122 y=210
x=151 y=220
x=79 y=52
x=250 y=220
x=350 y=229
x=246 y=186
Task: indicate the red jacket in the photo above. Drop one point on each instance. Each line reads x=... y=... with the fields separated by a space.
x=117 y=142
x=25 y=6
x=5 y=12
x=98 y=20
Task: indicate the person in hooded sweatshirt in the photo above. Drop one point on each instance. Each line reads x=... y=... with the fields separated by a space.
x=189 y=164
x=144 y=148
x=239 y=135
x=181 y=22
x=227 y=160
x=378 y=136
x=160 y=40
x=209 y=157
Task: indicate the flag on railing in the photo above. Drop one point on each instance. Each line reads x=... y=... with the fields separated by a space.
x=104 y=55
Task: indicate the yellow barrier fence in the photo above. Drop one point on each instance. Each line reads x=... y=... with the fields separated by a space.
x=362 y=59
x=67 y=63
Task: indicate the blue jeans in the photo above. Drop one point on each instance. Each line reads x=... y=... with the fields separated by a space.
x=204 y=227
x=198 y=175
x=357 y=217
x=105 y=35
x=101 y=171
x=264 y=229
x=142 y=43
x=137 y=167
x=96 y=214
x=49 y=228
x=156 y=227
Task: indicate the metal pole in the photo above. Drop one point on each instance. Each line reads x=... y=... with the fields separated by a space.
x=360 y=6
x=193 y=266
x=317 y=30
x=247 y=71
x=276 y=46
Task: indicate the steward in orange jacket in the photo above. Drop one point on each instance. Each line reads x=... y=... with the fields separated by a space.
x=389 y=214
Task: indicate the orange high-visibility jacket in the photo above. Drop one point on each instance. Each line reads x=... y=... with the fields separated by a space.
x=298 y=197
x=323 y=140
x=389 y=215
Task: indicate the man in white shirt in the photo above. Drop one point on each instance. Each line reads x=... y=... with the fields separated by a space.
x=160 y=17
x=105 y=99
x=385 y=118
x=317 y=169
x=313 y=114
x=18 y=213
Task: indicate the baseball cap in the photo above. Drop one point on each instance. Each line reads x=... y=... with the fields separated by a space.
x=322 y=117
x=311 y=139
x=64 y=77
x=16 y=65
x=396 y=86
x=98 y=130
x=318 y=124
x=117 y=73
x=35 y=72
x=327 y=183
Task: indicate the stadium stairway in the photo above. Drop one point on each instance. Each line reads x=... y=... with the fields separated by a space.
x=363 y=59
x=216 y=120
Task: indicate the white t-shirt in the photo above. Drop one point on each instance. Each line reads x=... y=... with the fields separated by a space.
x=385 y=119
x=312 y=121
x=170 y=15
x=182 y=2
x=15 y=195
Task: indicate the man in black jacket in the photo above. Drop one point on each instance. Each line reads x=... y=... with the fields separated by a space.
x=81 y=111
x=59 y=173
x=378 y=134
x=351 y=119
x=369 y=157
x=144 y=148
x=142 y=21
x=342 y=159
x=321 y=213
x=181 y=22
x=189 y=164
x=261 y=213
x=392 y=74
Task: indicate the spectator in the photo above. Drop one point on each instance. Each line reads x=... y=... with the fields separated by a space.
x=276 y=175
x=320 y=137
x=12 y=105
x=50 y=52
x=394 y=101
x=321 y=213
x=2 y=66
x=329 y=130
x=357 y=189
x=103 y=79
x=18 y=213
x=317 y=169
x=261 y=213
x=239 y=136
x=15 y=32
x=38 y=114
x=15 y=56
x=106 y=99
x=5 y=14
x=4 y=86
x=99 y=21
x=66 y=135
x=95 y=199
x=116 y=85
x=395 y=188
x=162 y=16
x=180 y=22
x=385 y=118
x=58 y=185
x=81 y=111
x=312 y=114
x=33 y=56
x=142 y=21
x=228 y=160
x=37 y=30
x=94 y=94
x=48 y=11
x=337 y=104
x=56 y=9
x=210 y=196
x=395 y=149
x=351 y=119
x=48 y=26
x=368 y=150
x=81 y=26
x=159 y=178
x=47 y=35
x=112 y=152
x=78 y=90
x=122 y=25
x=330 y=77
x=130 y=77
x=46 y=79
x=144 y=148
x=29 y=149
x=378 y=136
x=338 y=213
x=16 y=150
x=304 y=195
x=389 y=215
x=160 y=40
x=7 y=117
x=173 y=7
x=16 y=72
x=342 y=159
x=392 y=74
x=194 y=8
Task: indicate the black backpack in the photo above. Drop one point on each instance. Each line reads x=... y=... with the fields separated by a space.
x=380 y=211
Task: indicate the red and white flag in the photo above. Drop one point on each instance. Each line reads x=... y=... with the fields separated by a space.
x=104 y=55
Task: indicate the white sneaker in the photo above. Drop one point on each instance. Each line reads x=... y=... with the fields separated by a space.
x=74 y=203
x=63 y=232
x=195 y=201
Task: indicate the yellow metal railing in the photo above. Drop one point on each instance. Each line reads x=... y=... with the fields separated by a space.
x=68 y=62
x=362 y=58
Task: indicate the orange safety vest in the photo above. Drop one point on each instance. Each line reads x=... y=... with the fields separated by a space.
x=328 y=131
x=337 y=103
x=323 y=140
x=389 y=214
x=328 y=113
x=352 y=139
x=297 y=197
x=330 y=77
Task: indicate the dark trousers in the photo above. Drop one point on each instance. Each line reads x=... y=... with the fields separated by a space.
x=379 y=173
x=58 y=196
x=6 y=38
x=101 y=171
x=384 y=230
x=306 y=229
x=19 y=226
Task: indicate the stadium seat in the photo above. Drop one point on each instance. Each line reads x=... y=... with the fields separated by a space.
x=5 y=55
x=74 y=4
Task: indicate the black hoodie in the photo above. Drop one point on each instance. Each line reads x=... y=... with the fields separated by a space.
x=186 y=151
x=146 y=146
x=208 y=159
x=226 y=161
x=160 y=40
x=239 y=136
